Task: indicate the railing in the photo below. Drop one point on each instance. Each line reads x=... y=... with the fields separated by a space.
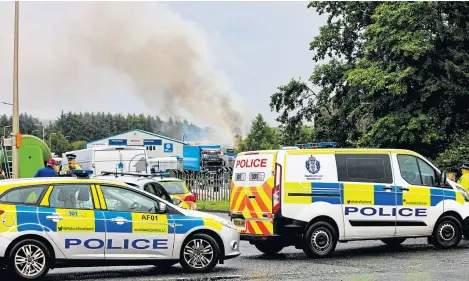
x=209 y=187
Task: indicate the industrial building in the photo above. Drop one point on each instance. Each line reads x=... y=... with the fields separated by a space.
x=157 y=146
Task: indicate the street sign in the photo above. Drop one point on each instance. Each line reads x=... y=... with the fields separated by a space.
x=152 y=142
x=168 y=147
x=117 y=142
x=120 y=166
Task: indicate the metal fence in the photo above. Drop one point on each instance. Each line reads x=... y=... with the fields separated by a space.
x=209 y=187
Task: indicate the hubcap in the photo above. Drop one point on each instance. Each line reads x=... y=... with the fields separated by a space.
x=320 y=240
x=198 y=253
x=30 y=260
x=447 y=232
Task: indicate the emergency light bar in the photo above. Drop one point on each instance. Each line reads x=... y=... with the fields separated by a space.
x=78 y=173
x=316 y=145
x=106 y=173
x=161 y=174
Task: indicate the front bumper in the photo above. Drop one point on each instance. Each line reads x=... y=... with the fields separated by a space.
x=231 y=241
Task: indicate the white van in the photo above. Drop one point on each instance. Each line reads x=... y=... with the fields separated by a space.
x=314 y=198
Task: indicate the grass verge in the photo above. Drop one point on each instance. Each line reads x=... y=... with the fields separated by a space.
x=223 y=206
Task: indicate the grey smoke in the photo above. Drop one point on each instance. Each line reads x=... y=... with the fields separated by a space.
x=166 y=60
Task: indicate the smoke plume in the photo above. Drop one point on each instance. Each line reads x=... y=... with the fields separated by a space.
x=166 y=60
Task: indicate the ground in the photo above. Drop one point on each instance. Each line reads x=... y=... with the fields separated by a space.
x=354 y=261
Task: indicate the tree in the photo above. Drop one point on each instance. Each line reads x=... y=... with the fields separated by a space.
x=59 y=143
x=261 y=136
x=397 y=76
x=240 y=144
x=77 y=145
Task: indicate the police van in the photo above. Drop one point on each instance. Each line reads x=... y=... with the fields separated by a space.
x=314 y=198
x=60 y=222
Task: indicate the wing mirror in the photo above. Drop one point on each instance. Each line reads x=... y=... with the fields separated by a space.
x=176 y=201
x=161 y=207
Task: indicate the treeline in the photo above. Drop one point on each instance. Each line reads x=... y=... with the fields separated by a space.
x=73 y=130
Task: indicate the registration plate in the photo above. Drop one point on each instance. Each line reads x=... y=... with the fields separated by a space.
x=240 y=224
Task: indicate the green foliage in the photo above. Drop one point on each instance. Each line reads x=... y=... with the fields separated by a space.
x=59 y=143
x=397 y=77
x=261 y=136
x=456 y=154
x=77 y=145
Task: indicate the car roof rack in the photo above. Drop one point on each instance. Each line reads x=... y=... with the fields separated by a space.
x=316 y=145
x=82 y=174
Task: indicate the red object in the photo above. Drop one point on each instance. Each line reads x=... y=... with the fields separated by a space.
x=276 y=194
x=1 y=212
x=192 y=197
x=50 y=162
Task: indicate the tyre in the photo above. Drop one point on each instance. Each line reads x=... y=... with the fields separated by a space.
x=165 y=264
x=199 y=253
x=28 y=260
x=393 y=242
x=447 y=233
x=269 y=248
x=320 y=240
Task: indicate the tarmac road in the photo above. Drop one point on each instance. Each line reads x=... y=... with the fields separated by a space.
x=368 y=260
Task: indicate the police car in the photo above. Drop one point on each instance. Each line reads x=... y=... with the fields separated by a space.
x=162 y=187
x=314 y=198
x=59 y=222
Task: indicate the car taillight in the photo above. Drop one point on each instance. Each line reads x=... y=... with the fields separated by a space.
x=195 y=196
x=1 y=212
x=192 y=197
x=276 y=193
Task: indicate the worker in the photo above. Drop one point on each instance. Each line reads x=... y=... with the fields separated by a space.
x=464 y=179
x=47 y=171
x=72 y=163
x=452 y=174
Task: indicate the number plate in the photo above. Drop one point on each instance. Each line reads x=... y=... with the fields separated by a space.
x=240 y=224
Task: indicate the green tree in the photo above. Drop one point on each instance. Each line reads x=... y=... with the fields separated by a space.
x=397 y=76
x=240 y=144
x=77 y=145
x=59 y=143
x=261 y=136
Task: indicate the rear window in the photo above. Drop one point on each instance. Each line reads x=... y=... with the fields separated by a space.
x=369 y=168
x=173 y=187
x=23 y=195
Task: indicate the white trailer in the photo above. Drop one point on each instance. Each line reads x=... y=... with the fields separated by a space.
x=111 y=158
x=162 y=164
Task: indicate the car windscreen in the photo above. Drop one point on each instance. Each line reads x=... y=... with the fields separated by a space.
x=173 y=187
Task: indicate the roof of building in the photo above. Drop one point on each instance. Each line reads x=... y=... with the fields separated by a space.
x=140 y=131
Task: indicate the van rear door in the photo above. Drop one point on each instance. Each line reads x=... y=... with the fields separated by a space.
x=251 y=192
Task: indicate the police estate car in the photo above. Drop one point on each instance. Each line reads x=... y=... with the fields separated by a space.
x=58 y=222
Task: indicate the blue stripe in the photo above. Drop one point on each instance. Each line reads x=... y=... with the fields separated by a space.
x=48 y=225
x=322 y=185
x=383 y=197
x=27 y=219
x=113 y=227
x=99 y=221
x=399 y=197
x=436 y=196
x=184 y=224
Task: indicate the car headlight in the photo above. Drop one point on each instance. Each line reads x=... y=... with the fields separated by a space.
x=228 y=224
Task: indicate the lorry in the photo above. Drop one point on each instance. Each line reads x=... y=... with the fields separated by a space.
x=206 y=159
x=111 y=158
x=33 y=154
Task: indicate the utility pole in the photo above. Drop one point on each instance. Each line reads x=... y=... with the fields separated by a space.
x=43 y=130
x=16 y=121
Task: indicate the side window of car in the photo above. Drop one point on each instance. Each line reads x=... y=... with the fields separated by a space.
x=427 y=173
x=161 y=192
x=409 y=169
x=149 y=188
x=71 y=196
x=369 y=168
x=23 y=195
x=126 y=200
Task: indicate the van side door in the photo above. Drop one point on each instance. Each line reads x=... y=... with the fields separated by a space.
x=368 y=194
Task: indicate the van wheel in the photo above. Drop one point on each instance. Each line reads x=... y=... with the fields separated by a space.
x=393 y=242
x=199 y=253
x=320 y=240
x=28 y=260
x=269 y=248
x=447 y=233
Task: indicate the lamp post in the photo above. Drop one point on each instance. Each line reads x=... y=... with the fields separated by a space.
x=50 y=140
x=43 y=130
x=16 y=121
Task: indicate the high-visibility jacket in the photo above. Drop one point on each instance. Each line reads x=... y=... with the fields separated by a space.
x=32 y=197
x=77 y=167
x=464 y=180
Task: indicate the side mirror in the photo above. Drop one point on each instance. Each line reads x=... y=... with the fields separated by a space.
x=176 y=201
x=161 y=207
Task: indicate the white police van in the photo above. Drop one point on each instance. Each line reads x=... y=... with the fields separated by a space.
x=314 y=198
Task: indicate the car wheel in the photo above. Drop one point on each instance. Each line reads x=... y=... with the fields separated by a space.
x=269 y=248
x=199 y=253
x=393 y=242
x=320 y=240
x=447 y=233
x=28 y=260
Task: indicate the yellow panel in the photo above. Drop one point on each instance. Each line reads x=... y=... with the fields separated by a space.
x=102 y=202
x=75 y=220
x=416 y=196
x=361 y=151
x=95 y=197
x=359 y=194
x=8 y=219
x=460 y=198
x=297 y=187
x=212 y=223
x=149 y=223
x=45 y=199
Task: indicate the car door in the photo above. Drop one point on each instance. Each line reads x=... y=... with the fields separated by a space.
x=71 y=217
x=419 y=199
x=368 y=194
x=157 y=190
x=134 y=229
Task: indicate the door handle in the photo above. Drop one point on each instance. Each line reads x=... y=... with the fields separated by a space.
x=54 y=217
x=387 y=188
x=252 y=196
x=403 y=189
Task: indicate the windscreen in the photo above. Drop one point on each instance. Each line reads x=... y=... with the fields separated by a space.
x=173 y=187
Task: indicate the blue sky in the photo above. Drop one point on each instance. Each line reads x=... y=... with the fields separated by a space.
x=257 y=46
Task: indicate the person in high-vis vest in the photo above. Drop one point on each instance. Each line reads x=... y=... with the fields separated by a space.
x=464 y=179
x=72 y=163
x=452 y=174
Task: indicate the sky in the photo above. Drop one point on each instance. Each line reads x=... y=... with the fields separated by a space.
x=215 y=63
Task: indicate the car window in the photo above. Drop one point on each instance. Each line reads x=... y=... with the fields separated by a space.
x=161 y=192
x=71 y=196
x=23 y=195
x=369 y=168
x=149 y=188
x=126 y=200
x=427 y=173
x=409 y=169
x=173 y=187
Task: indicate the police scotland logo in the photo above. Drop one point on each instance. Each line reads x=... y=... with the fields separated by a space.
x=313 y=166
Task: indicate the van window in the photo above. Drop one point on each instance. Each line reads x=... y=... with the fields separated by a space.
x=370 y=168
x=415 y=171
